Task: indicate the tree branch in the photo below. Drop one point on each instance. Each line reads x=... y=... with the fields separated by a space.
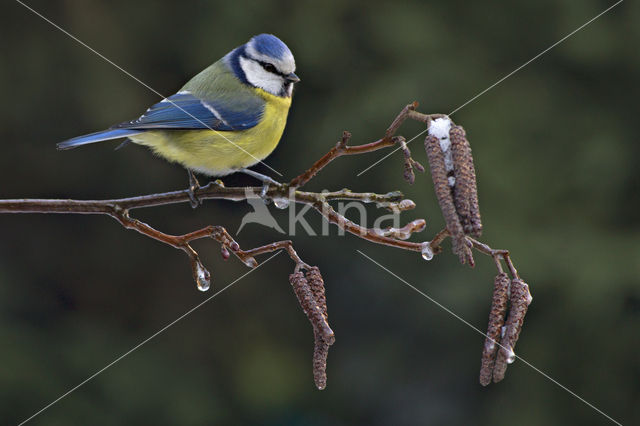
x=456 y=189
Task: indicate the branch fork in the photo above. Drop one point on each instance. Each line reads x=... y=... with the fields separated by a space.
x=453 y=174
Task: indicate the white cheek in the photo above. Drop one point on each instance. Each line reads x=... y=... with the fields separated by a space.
x=257 y=76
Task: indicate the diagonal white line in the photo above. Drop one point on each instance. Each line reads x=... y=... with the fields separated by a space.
x=390 y=154
x=473 y=327
x=144 y=342
x=535 y=57
x=144 y=84
x=503 y=78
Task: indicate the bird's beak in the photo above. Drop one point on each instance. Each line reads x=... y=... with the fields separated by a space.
x=292 y=77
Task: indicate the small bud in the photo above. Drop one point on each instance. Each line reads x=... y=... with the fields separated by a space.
x=406 y=204
x=224 y=252
x=405 y=232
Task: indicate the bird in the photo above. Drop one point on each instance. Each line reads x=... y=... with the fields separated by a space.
x=225 y=119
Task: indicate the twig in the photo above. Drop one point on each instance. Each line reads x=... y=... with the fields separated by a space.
x=459 y=205
x=342 y=147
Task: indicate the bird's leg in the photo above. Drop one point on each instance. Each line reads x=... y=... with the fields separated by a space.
x=263 y=178
x=194 y=185
x=266 y=181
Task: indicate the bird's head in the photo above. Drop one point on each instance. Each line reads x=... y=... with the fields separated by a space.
x=265 y=62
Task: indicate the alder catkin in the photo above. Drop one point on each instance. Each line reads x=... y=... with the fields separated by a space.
x=309 y=290
x=494 y=328
x=317 y=287
x=519 y=302
x=320 y=353
x=445 y=199
x=465 y=190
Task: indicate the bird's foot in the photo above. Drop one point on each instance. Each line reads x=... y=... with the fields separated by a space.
x=194 y=185
x=263 y=193
x=266 y=181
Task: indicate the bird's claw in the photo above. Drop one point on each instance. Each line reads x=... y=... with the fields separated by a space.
x=194 y=185
x=193 y=199
x=266 y=182
x=263 y=193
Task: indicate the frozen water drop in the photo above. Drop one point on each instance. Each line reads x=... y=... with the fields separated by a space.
x=511 y=356
x=203 y=278
x=281 y=203
x=250 y=262
x=427 y=252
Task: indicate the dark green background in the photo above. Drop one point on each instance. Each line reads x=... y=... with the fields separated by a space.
x=557 y=157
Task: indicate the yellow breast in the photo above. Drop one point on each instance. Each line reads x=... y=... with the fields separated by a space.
x=220 y=153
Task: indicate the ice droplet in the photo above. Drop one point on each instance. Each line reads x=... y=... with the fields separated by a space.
x=529 y=297
x=511 y=356
x=203 y=277
x=427 y=252
x=281 y=203
x=250 y=262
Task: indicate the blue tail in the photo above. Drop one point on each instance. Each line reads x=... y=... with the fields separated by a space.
x=104 y=135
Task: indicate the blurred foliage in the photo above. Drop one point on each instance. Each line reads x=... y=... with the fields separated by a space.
x=557 y=155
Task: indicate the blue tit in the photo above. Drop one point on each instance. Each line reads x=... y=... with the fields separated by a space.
x=228 y=117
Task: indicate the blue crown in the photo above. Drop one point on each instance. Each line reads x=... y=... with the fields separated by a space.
x=270 y=45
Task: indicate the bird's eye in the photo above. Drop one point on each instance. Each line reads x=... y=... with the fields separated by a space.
x=269 y=67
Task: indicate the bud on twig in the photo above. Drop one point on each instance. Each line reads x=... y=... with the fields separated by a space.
x=409 y=162
x=405 y=232
x=454 y=178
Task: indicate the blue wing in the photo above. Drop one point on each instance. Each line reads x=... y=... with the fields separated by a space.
x=185 y=111
x=228 y=112
x=104 y=135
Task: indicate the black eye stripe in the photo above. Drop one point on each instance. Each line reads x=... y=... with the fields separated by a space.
x=270 y=68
